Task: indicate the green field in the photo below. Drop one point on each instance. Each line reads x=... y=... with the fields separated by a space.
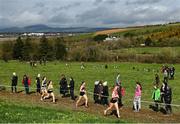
x=92 y=72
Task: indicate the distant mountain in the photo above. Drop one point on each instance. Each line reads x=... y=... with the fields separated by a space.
x=45 y=28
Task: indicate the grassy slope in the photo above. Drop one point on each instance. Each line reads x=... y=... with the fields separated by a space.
x=149 y=50
x=148 y=31
x=18 y=113
x=93 y=71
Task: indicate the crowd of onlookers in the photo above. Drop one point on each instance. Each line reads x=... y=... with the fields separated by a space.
x=161 y=93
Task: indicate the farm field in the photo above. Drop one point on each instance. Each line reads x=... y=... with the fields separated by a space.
x=149 y=50
x=91 y=73
x=111 y=31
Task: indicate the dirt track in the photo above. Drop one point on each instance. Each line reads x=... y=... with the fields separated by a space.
x=145 y=115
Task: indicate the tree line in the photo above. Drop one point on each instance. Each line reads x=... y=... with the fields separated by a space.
x=26 y=50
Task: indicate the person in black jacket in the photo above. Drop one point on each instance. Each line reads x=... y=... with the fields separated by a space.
x=38 y=83
x=96 y=92
x=157 y=80
x=71 y=88
x=105 y=94
x=120 y=104
x=100 y=91
x=14 y=82
x=167 y=98
x=63 y=85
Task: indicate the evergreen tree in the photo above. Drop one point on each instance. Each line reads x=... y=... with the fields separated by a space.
x=45 y=49
x=7 y=50
x=18 y=49
x=27 y=49
x=60 y=49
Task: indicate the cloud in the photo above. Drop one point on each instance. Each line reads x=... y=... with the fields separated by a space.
x=89 y=13
x=141 y=2
x=68 y=6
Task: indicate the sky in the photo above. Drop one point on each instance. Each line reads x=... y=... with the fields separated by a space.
x=87 y=13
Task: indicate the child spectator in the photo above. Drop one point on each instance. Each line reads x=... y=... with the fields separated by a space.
x=137 y=97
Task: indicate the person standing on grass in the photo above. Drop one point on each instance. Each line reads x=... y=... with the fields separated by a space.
x=157 y=80
x=118 y=79
x=162 y=92
x=114 y=101
x=50 y=91
x=63 y=85
x=96 y=92
x=167 y=98
x=43 y=88
x=137 y=97
x=105 y=94
x=26 y=82
x=38 y=83
x=14 y=82
x=100 y=91
x=82 y=94
x=71 y=88
x=156 y=97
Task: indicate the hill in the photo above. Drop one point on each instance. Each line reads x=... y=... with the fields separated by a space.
x=45 y=28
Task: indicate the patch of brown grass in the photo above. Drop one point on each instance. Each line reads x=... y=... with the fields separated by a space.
x=111 y=31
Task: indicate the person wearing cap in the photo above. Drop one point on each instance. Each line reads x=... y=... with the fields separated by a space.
x=82 y=94
x=14 y=82
x=96 y=83
x=38 y=84
x=105 y=94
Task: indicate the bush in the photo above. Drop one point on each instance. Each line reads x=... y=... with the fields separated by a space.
x=100 y=37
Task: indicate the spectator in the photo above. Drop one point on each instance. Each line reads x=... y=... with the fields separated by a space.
x=26 y=82
x=63 y=85
x=14 y=82
x=71 y=87
x=172 y=72
x=100 y=91
x=120 y=104
x=156 y=98
x=157 y=80
x=105 y=94
x=167 y=98
x=162 y=92
x=96 y=92
x=82 y=94
x=165 y=74
x=137 y=97
x=38 y=84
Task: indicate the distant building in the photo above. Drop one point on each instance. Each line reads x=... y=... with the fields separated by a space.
x=111 y=39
